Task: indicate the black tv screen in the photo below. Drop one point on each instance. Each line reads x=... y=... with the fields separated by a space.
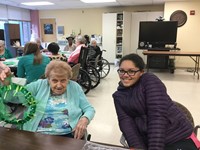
x=157 y=33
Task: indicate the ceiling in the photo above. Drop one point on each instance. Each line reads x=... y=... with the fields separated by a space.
x=75 y=4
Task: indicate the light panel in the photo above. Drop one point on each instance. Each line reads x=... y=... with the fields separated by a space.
x=98 y=1
x=37 y=3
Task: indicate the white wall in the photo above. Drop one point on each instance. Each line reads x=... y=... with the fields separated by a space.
x=136 y=18
x=188 y=35
x=88 y=20
x=14 y=13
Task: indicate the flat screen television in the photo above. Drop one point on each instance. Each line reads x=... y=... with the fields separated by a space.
x=157 y=34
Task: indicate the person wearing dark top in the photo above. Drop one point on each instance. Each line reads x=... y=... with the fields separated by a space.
x=96 y=48
x=87 y=38
x=147 y=116
x=54 y=49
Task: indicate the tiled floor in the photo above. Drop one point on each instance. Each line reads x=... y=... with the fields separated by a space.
x=182 y=86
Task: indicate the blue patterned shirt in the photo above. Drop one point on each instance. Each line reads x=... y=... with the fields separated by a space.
x=55 y=120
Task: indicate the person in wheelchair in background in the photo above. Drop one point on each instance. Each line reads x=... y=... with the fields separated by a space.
x=94 y=52
x=74 y=56
x=97 y=49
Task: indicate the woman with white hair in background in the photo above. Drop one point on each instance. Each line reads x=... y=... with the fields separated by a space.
x=4 y=52
x=73 y=58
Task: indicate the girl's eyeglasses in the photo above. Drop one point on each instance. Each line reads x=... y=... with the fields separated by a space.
x=129 y=72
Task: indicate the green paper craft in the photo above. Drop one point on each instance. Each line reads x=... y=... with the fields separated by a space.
x=30 y=104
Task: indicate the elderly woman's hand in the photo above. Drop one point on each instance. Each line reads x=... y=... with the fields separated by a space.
x=4 y=72
x=80 y=128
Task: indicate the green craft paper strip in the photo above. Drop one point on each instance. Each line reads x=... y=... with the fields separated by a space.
x=31 y=103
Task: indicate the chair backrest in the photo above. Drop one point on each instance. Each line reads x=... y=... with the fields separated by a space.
x=75 y=71
x=186 y=112
x=83 y=56
x=183 y=109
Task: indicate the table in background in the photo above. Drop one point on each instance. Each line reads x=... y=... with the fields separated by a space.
x=196 y=56
x=12 y=63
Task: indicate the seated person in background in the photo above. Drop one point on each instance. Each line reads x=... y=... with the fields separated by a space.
x=147 y=116
x=87 y=40
x=96 y=48
x=38 y=41
x=54 y=49
x=74 y=56
x=70 y=46
x=62 y=107
x=42 y=49
x=32 y=64
x=4 y=52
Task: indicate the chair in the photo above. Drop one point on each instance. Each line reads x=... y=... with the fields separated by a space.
x=101 y=64
x=182 y=108
x=83 y=56
x=186 y=112
x=75 y=71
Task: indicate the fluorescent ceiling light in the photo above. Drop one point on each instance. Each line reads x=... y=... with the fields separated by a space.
x=98 y=1
x=37 y=3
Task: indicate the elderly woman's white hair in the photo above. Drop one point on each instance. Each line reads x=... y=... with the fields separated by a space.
x=80 y=39
x=2 y=42
x=58 y=67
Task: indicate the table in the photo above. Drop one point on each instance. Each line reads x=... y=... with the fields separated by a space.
x=11 y=62
x=195 y=56
x=12 y=139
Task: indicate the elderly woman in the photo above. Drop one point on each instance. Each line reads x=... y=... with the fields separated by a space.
x=32 y=65
x=73 y=58
x=62 y=107
x=4 y=52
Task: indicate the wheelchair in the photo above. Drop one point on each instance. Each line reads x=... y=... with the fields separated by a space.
x=98 y=62
x=91 y=70
x=89 y=76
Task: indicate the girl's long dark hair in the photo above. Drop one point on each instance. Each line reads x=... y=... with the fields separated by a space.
x=32 y=48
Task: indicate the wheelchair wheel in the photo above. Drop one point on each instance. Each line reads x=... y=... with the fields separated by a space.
x=84 y=81
x=94 y=76
x=103 y=66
